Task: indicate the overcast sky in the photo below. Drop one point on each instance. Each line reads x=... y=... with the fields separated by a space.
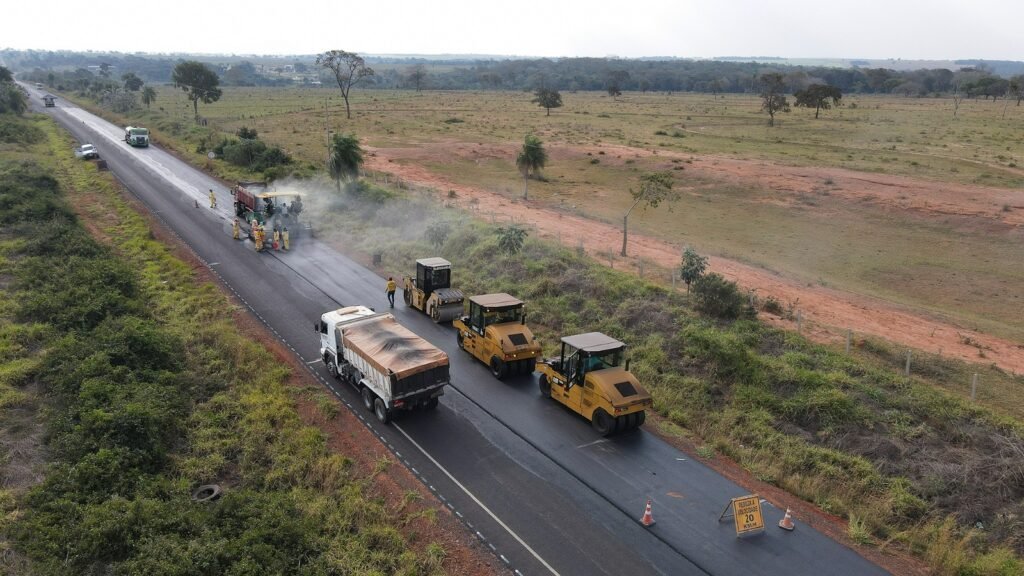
x=909 y=29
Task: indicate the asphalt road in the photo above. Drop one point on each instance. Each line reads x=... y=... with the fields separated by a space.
x=530 y=479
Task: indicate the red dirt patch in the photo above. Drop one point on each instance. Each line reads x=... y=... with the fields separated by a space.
x=826 y=313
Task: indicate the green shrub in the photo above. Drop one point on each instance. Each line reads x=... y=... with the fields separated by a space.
x=15 y=131
x=720 y=298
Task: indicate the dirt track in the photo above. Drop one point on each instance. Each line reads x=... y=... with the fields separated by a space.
x=826 y=313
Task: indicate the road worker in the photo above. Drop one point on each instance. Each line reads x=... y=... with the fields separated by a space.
x=235 y=231
x=213 y=199
x=391 y=291
x=284 y=238
x=277 y=239
x=257 y=235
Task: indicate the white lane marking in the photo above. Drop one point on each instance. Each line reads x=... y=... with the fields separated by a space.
x=315 y=361
x=594 y=443
x=680 y=459
x=477 y=501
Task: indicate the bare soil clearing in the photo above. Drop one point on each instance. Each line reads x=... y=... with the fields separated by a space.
x=826 y=313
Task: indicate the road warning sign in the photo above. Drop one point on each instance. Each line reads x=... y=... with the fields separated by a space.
x=746 y=512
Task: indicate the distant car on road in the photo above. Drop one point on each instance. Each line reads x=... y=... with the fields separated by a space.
x=87 y=152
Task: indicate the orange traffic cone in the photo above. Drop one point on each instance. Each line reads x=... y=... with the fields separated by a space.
x=787 y=522
x=648 y=519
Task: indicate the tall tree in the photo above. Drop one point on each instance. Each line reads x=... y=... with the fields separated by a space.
x=346 y=157
x=198 y=82
x=616 y=81
x=5 y=75
x=773 y=98
x=532 y=157
x=1017 y=88
x=148 y=95
x=12 y=99
x=417 y=76
x=655 y=188
x=693 y=267
x=348 y=68
x=547 y=99
x=132 y=83
x=818 y=96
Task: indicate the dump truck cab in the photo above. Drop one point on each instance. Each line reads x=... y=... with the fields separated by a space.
x=591 y=377
x=430 y=290
x=495 y=332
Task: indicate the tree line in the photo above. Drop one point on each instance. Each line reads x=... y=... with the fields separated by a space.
x=974 y=79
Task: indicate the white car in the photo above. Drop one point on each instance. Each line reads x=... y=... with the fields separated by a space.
x=87 y=152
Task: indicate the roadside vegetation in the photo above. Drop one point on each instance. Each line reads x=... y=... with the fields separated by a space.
x=904 y=460
x=125 y=384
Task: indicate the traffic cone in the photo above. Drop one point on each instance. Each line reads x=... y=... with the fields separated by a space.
x=787 y=522
x=648 y=519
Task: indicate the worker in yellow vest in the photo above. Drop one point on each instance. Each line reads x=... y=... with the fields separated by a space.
x=235 y=231
x=277 y=239
x=213 y=199
x=284 y=238
x=257 y=235
x=391 y=291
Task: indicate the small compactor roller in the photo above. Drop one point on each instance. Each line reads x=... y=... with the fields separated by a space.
x=588 y=378
x=495 y=332
x=430 y=290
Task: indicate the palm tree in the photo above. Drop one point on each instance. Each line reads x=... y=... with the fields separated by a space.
x=511 y=239
x=148 y=95
x=346 y=156
x=531 y=159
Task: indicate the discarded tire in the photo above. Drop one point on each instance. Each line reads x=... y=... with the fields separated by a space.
x=207 y=493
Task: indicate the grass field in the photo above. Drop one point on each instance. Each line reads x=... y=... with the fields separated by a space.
x=957 y=266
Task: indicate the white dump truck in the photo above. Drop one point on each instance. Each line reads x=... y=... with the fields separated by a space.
x=393 y=368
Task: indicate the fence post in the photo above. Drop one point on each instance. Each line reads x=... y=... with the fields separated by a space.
x=906 y=369
x=974 y=386
x=799 y=321
x=849 y=334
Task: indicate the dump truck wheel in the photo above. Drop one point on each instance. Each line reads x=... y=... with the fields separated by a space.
x=545 y=386
x=382 y=412
x=332 y=368
x=531 y=365
x=641 y=418
x=498 y=368
x=458 y=339
x=431 y=404
x=367 y=398
x=603 y=423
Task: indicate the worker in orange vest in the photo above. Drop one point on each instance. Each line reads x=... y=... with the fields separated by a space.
x=284 y=238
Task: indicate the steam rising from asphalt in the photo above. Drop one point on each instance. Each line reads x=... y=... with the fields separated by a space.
x=328 y=211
